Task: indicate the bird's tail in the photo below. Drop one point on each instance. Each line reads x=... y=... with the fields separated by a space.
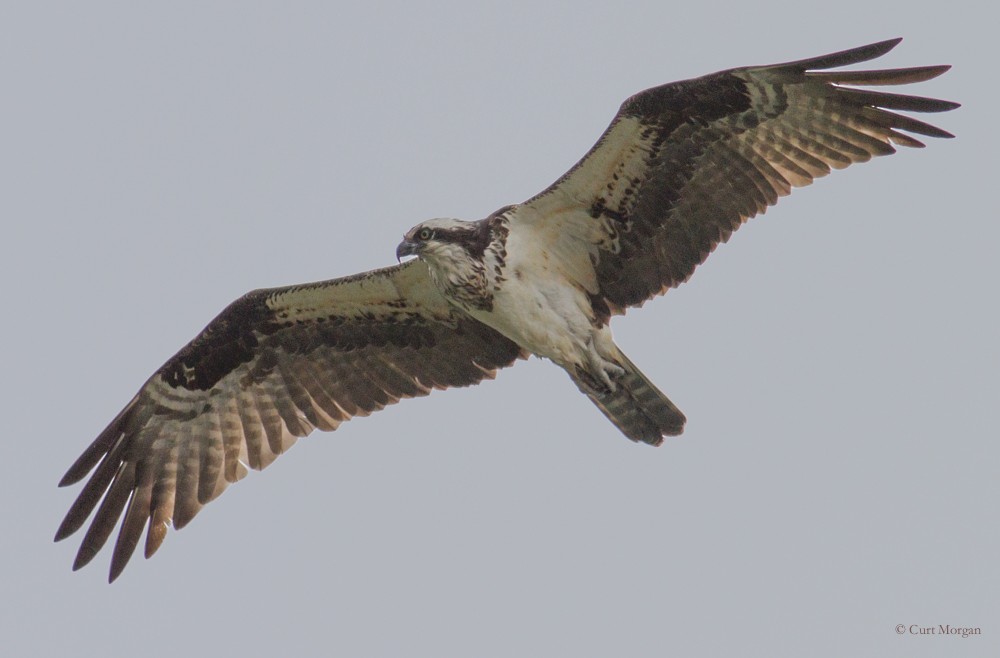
x=636 y=406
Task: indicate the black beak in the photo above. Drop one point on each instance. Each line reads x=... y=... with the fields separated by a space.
x=406 y=248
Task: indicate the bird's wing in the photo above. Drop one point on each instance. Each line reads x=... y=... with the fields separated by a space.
x=683 y=165
x=270 y=368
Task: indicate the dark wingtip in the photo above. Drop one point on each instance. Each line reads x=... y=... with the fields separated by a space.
x=120 y=558
x=83 y=557
x=70 y=478
x=841 y=58
x=74 y=519
x=103 y=444
x=116 y=570
x=903 y=76
x=946 y=135
x=64 y=531
x=124 y=549
x=78 y=470
x=872 y=50
x=877 y=49
x=903 y=102
x=887 y=45
x=936 y=70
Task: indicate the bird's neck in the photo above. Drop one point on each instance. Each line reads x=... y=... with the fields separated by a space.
x=469 y=274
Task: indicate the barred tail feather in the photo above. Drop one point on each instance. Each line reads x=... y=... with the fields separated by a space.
x=637 y=407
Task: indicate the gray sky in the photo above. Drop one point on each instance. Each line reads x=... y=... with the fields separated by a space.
x=837 y=360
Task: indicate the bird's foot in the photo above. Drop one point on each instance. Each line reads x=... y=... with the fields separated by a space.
x=603 y=382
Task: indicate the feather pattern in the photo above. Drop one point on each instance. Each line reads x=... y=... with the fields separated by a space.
x=683 y=165
x=269 y=369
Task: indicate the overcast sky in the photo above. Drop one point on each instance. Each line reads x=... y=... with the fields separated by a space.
x=837 y=360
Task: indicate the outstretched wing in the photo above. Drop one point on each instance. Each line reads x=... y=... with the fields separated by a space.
x=270 y=368
x=683 y=165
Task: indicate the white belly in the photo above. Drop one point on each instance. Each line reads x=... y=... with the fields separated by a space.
x=549 y=318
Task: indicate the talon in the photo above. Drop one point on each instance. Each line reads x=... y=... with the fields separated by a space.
x=601 y=388
x=614 y=371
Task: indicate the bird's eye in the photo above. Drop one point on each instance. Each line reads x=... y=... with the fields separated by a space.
x=425 y=234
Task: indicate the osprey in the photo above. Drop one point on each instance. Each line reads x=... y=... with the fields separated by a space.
x=679 y=169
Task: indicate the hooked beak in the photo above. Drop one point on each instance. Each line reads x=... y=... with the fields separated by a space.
x=406 y=248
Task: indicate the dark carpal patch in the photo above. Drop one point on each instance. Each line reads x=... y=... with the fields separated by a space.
x=230 y=340
x=698 y=101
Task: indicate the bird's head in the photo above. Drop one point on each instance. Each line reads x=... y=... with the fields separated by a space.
x=438 y=240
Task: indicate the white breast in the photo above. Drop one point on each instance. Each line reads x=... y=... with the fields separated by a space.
x=536 y=305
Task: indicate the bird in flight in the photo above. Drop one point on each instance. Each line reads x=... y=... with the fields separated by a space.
x=680 y=168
